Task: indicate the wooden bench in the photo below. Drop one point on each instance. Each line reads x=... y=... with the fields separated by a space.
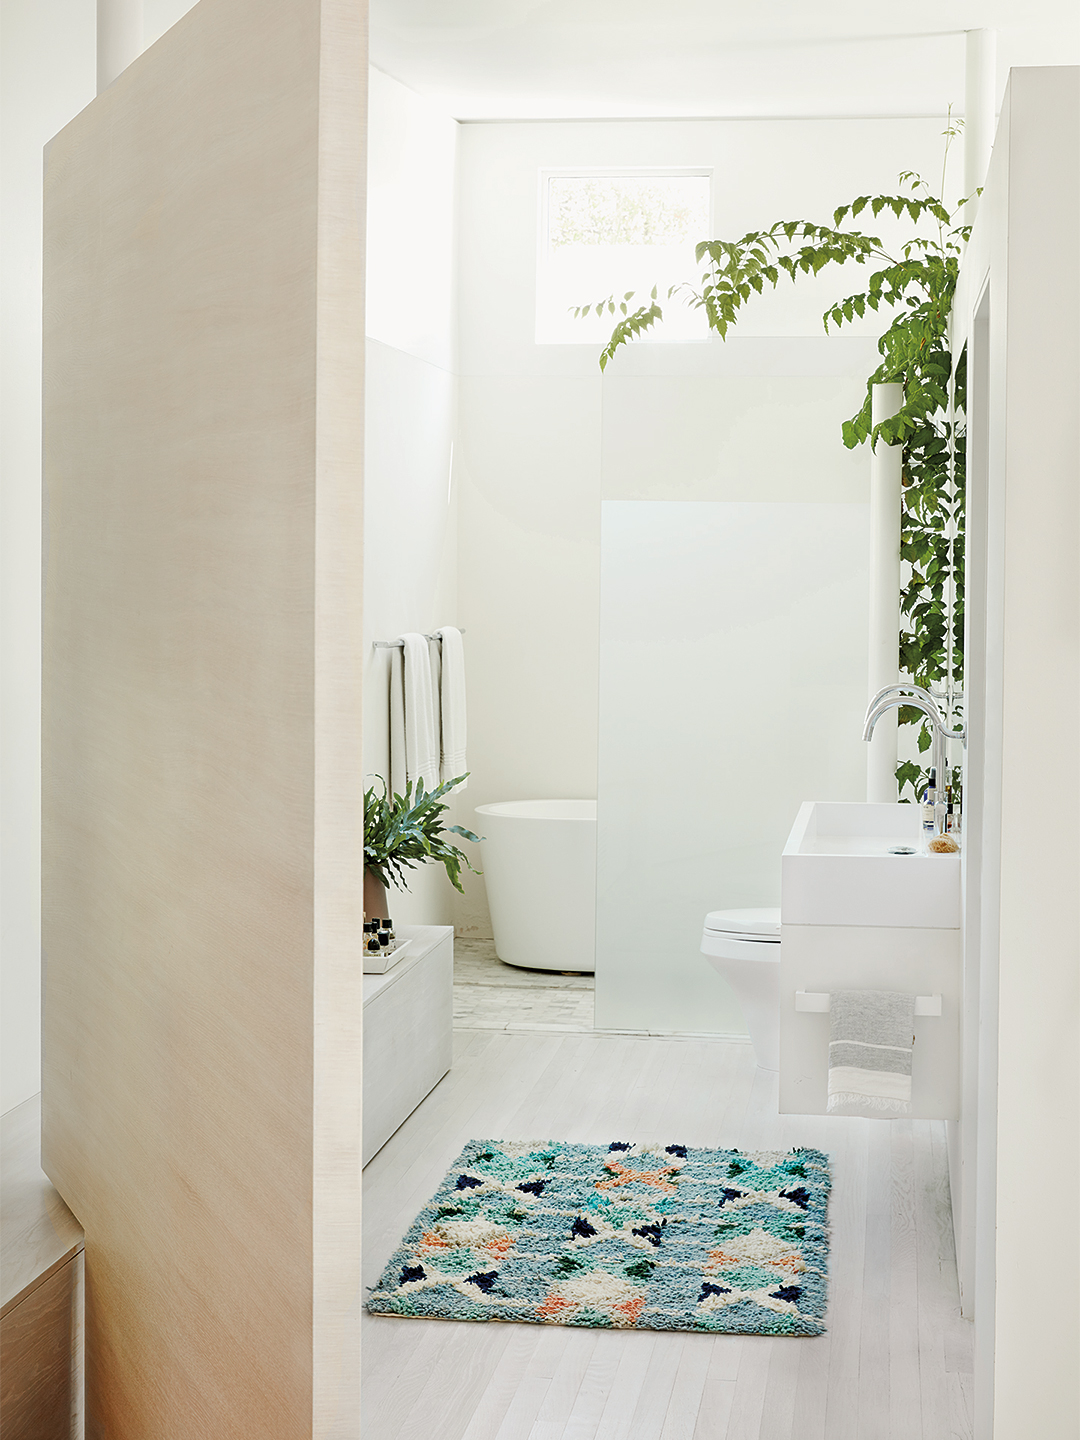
x=41 y=1286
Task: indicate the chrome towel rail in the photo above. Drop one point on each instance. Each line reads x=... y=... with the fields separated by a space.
x=399 y=644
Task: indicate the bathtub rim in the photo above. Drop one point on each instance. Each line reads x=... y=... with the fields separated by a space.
x=531 y=811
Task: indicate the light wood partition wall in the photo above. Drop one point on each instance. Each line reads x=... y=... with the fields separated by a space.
x=203 y=819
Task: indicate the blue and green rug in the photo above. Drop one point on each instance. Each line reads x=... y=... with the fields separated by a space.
x=620 y=1236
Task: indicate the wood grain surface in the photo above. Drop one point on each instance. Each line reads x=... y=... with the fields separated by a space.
x=41 y=1269
x=201 y=728
x=38 y=1233
x=39 y=1362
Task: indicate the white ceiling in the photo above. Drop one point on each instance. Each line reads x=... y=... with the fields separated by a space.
x=559 y=59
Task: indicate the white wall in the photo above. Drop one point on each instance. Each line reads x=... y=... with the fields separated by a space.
x=48 y=76
x=542 y=436
x=1018 y=303
x=161 y=15
x=410 y=505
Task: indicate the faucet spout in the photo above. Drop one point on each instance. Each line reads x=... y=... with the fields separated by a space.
x=882 y=704
x=892 y=697
x=903 y=690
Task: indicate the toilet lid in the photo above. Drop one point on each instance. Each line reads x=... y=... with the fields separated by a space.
x=762 y=923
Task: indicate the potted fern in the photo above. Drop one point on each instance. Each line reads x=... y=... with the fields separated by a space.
x=403 y=831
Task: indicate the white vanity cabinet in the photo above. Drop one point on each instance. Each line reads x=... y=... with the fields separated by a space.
x=915 y=961
x=408 y=1031
x=862 y=909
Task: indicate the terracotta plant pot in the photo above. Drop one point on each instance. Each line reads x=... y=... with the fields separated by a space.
x=376 y=906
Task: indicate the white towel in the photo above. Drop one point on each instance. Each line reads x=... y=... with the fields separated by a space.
x=421 y=737
x=397 y=720
x=452 y=705
x=871 y=1034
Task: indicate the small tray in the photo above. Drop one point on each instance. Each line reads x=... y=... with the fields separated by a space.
x=386 y=959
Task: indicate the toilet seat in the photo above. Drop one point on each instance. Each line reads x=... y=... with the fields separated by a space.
x=743 y=947
x=755 y=926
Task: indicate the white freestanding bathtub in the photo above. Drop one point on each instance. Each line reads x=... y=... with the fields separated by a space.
x=539 y=862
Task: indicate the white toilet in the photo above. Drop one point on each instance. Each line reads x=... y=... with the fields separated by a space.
x=744 y=947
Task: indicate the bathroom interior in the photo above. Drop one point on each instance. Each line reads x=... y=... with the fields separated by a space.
x=649 y=607
x=677 y=598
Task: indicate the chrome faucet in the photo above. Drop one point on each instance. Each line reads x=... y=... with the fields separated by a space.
x=892 y=697
x=903 y=690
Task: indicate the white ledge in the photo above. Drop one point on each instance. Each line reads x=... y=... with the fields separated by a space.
x=817 y=1003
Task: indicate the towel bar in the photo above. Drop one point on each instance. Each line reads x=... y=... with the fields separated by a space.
x=400 y=644
x=809 y=1000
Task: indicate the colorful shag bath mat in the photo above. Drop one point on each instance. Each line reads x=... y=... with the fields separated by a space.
x=644 y=1237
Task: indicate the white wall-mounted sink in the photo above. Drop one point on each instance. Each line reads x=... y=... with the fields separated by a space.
x=838 y=868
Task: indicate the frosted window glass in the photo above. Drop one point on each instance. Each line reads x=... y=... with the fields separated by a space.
x=606 y=234
x=617 y=210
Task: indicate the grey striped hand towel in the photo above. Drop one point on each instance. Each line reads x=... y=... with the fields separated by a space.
x=871 y=1034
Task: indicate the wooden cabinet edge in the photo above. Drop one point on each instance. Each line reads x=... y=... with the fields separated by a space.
x=40 y=1278
x=41 y=1344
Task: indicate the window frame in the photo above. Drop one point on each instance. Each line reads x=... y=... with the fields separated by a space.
x=547 y=173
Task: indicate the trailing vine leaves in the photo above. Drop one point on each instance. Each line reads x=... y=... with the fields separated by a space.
x=631 y=326
x=932 y=547
x=918 y=284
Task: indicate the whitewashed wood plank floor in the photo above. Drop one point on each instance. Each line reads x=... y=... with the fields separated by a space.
x=894 y=1365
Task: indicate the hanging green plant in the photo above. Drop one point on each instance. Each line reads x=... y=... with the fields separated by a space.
x=404 y=831
x=918 y=282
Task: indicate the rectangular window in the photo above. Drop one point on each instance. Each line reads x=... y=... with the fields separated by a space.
x=606 y=232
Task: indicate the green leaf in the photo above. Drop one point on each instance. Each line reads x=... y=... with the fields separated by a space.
x=908 y=773
x=915 y=284
x=403 y=831
x=629 y=328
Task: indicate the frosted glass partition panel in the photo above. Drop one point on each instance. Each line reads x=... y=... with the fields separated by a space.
x=732 y=688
